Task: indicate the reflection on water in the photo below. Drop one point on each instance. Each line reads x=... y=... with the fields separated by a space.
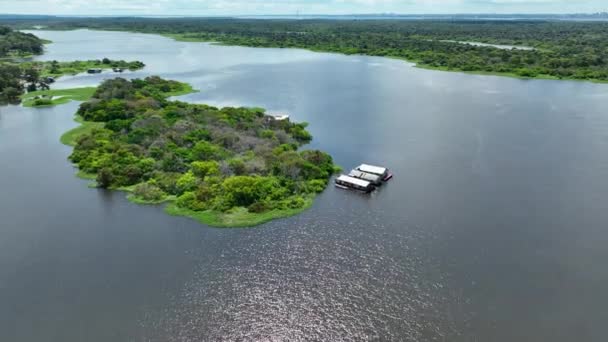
x=342 y=276
x=494 y=228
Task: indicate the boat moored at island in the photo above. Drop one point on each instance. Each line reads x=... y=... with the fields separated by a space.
x=348 y=182
x=383 y=172
x=370 y=177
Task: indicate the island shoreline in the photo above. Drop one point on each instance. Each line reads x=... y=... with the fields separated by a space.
x=239 y=217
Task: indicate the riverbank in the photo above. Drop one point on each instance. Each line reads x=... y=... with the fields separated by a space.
x=475 y=62
x=482 y=73
x=503 y=74
x=238 y=217
x=523 y=74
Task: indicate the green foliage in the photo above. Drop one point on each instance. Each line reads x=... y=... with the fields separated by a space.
x=14 y=43
x=315 y=186
x=42 y=102
x=105 y=178
x=300 y=133
x=268 y=134
x=11 y=86
x=187 y=182
x=204 y=156
x=167 y=181
x=203 y=169
x=149 y=192
x=189 y=201
x=204 y=150
x=72 y=136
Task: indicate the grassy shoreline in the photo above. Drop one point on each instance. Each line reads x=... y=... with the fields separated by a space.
x=186 y=89
x=70 y=137
x=54 y=97
x=238 y=217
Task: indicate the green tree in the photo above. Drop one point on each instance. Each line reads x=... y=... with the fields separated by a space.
x=202 y=169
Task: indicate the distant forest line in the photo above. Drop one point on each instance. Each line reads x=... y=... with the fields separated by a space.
x=562 y=49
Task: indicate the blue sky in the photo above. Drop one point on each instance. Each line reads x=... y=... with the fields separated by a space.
x=243 y=7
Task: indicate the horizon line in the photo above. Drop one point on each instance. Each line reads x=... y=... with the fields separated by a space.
x=304 y=15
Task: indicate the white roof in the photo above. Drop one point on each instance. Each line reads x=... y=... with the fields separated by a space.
x=361 y=174
x=372 y=169
x=281 y=117
x=353 y=180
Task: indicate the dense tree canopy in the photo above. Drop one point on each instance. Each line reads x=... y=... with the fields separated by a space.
x=18 y=43
x=12 y=77
x=208 y=158
x=17 y=78
x=10 y=83
x=562 y=49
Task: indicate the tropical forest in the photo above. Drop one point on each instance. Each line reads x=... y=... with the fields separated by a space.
x=536 y=48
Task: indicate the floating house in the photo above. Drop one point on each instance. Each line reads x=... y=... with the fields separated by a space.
x=370 y=177
x=276 y=118
x=348 y=182
x=383 y=172
x=280 y=117
x=94 y=71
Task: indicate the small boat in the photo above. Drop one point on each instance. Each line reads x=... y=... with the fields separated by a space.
x=383 y=172
x=94 y=71
x=352 y=183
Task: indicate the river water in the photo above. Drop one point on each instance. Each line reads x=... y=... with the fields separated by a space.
x=494 y=228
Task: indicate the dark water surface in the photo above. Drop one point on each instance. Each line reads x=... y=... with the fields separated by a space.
x=495 y=227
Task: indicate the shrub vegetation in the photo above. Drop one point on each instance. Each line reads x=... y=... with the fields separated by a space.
x=212 y=160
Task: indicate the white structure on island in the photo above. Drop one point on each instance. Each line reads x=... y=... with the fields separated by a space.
x=281 y=117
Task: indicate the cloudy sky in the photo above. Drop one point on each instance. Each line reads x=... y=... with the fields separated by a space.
x=243 y=7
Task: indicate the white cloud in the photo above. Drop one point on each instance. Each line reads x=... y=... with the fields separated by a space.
x=233 y=7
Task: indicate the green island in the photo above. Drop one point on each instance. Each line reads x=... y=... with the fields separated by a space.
x=571 y=50
x=58 y=69
x=228 y=167
x=18 y=44
x=29 y=81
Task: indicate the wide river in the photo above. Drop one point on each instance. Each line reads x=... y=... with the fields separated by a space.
x=495 y=227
